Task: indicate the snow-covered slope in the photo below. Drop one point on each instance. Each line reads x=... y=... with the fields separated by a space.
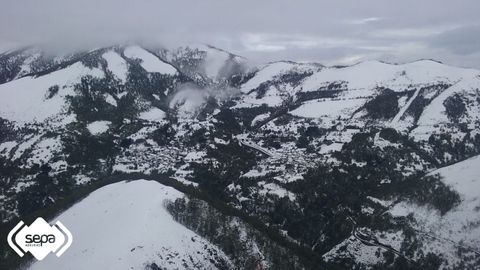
x=415 y=90
x=117 y=65
x=19 y=63
x=370 y=74
x=458 y=228
x=125 y=226
x=274 y=71
x=206 y=64
x=27 y=99
x=41 y=95
x=435 y=116
x=453 y=235
x=275 y=83
x=149 y=62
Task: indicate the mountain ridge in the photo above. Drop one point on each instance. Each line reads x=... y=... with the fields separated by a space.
x=151 y=47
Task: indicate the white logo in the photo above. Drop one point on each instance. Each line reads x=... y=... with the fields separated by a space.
x=39 y=238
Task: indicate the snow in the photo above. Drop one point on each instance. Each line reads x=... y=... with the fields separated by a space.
x=333 y=109
x=63 y=119
x=382 y=143
x=364 y=75
x=6 y=147
x=274 y=189
x=330 y=148
x=110 y=100
x=260 y=117
x=117 y=65
x=434 y=113
x=272 y=98
x=383 y=203
x=154 y=114
x=461 y=224
x=362 y=82
x=195 y=156
x=269 y=71
x=403 y=109
x=425 y=71
x=25 y=146
x=23 y=100
x=150 y=62
x=142 y=133
x=44 y=150
x=220 y=141
x=354 y=249
x=58 y=166
x=98 y=127
x=255 y=173
x=370 y=74
x=464 y=177
x=126 y=226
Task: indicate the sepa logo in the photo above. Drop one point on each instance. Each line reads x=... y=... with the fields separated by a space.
x=39 y=238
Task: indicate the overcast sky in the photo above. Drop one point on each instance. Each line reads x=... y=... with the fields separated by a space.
x=329 y=32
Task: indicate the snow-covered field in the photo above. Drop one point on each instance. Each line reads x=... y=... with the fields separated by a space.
x=328 y=109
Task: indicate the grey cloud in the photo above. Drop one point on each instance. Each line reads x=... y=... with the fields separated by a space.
x=306 y=30
x=464 y=40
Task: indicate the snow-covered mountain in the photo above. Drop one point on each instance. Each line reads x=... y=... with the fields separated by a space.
x=342 y=93
x=116 y=228
x=322 y=163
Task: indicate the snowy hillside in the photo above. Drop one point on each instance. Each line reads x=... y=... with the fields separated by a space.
x=126 y=226
x=27 y=99
x=454 y=234
x=333 y=93
x=456 y=228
